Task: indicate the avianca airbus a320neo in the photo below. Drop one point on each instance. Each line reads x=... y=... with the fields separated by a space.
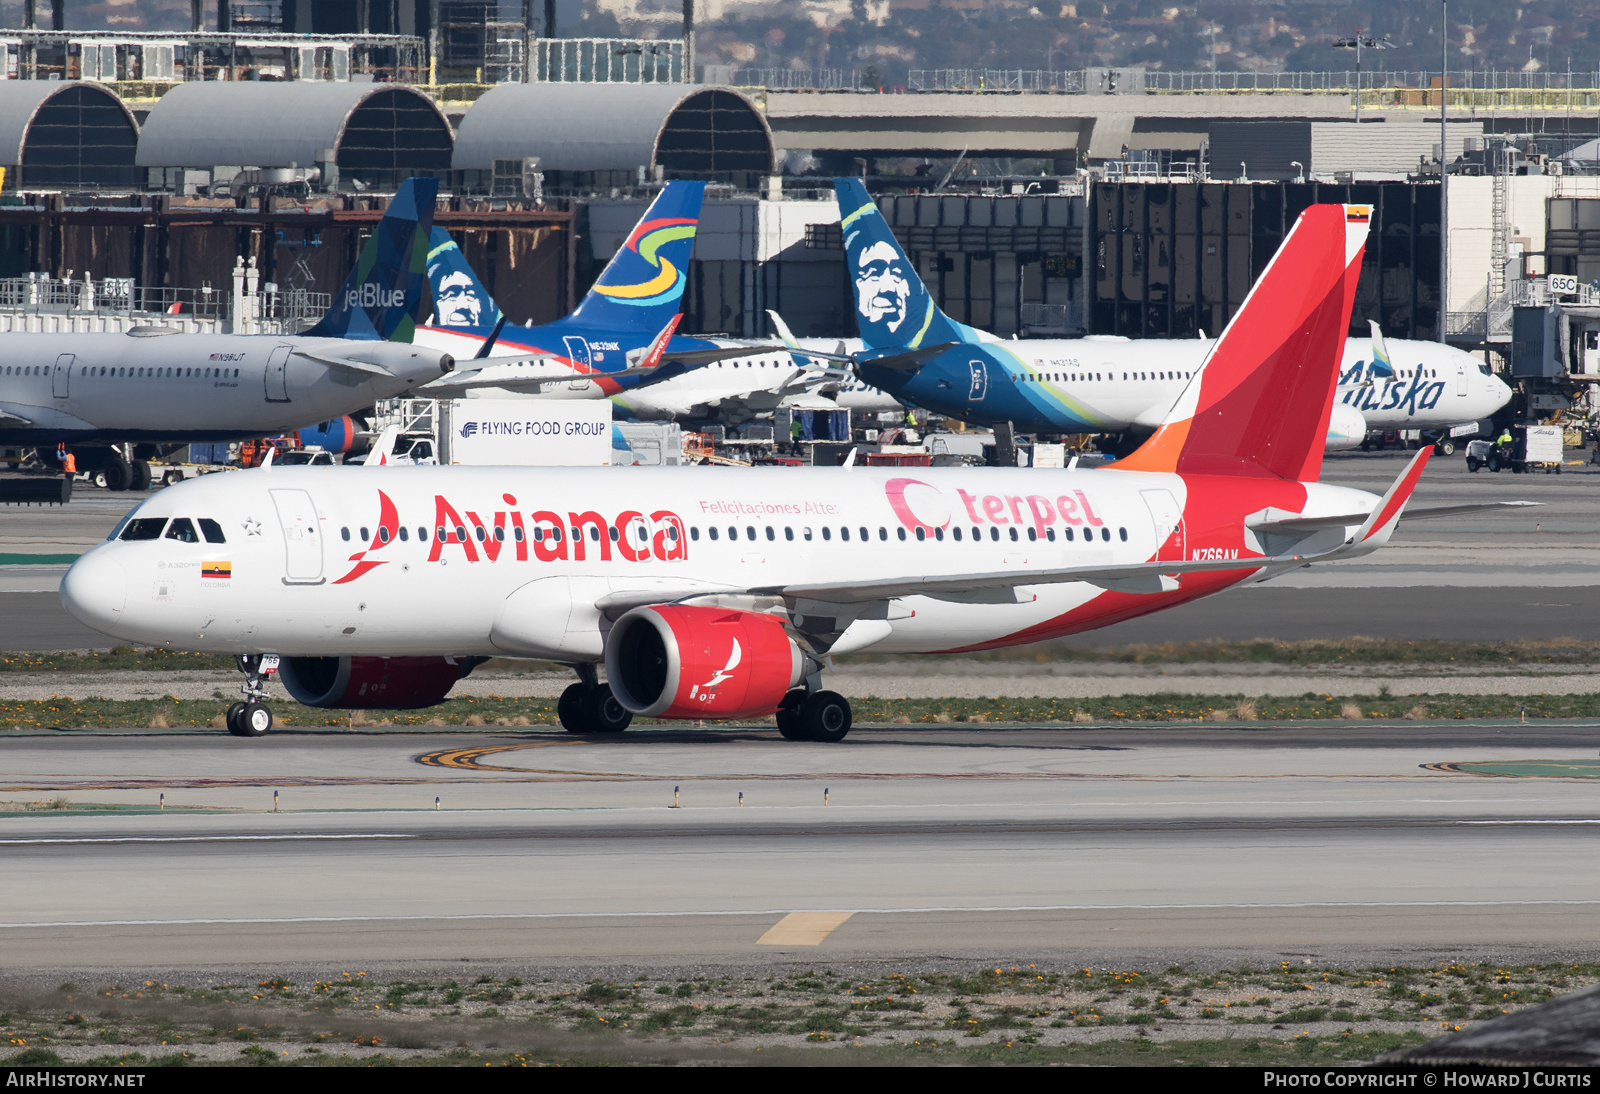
x=710 y=593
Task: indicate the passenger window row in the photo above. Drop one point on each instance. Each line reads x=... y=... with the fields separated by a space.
x=864 y=534
x=499 y=534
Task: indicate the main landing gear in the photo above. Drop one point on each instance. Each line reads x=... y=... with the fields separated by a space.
x=252 y=718
x=819 y=716
x=589 y=707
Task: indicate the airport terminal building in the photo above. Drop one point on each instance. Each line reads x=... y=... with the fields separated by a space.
x=1111 y=203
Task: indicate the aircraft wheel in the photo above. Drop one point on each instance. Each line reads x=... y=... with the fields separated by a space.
x=788 y=716
x=825 y=716
x=235 y=713
x=141 y=475
x=603 y=713
x=118 y=474
x=569 y=709
x=253 y=721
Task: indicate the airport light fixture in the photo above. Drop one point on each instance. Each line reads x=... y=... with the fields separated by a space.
x=1361 y=40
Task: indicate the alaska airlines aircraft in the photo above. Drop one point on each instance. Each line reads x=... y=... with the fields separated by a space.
x=721 y=593
x=154 y=384
x=1099 y=384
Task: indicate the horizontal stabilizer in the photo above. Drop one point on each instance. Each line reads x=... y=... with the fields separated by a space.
x=1295 y=525
x=346 y=364
x=720 y=353
x=1431 y=512
x=909 y=360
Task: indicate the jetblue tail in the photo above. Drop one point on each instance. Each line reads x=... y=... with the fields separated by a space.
x=460 y=302
x=641 y=288
x=893 y=307
x=383 y=297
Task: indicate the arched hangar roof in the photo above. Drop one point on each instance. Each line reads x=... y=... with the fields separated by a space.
x=380 y=127
x=69 y=133
x=686 y=129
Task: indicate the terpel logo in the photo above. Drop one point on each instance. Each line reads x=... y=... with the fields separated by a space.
x=469 y=429
x=369 y=295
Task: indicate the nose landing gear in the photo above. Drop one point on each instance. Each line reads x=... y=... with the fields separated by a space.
x=252 y=718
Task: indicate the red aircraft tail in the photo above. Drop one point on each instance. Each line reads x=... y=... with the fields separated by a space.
x=1259 y=405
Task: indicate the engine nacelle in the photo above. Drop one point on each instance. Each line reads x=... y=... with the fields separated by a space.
x=674 y=661
x=367 y=683
x=1346 y=428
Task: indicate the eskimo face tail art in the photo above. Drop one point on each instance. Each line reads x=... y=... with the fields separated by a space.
x=718 y=596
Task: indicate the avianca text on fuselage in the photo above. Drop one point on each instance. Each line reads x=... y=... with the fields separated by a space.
x=630 y=536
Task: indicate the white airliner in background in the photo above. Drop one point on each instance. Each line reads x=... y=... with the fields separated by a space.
x=1430 y=386
x=721 y=593
x=158 y=386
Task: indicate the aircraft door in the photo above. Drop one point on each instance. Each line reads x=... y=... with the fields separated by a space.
x=62 y=376
x=278 y=374
x=1461 y=379
x=302 y=539
x=1167 y=515
x=980 y=381
x=578 y=353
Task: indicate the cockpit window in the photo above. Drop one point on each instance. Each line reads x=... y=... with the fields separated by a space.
x=123 y=523
x=212 y=530
x=183 y=529
x=144 y=528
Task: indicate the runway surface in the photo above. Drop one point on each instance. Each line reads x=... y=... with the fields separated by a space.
x=1105 y=844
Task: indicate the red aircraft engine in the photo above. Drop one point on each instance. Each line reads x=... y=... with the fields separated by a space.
x=365 y=683
x=672 y=661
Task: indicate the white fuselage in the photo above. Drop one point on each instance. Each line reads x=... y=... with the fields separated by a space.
x=304 y=568
x=1117 y=384
x=179 y=387
x=1131 y=384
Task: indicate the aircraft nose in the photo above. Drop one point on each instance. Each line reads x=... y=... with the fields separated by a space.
x=95 y=590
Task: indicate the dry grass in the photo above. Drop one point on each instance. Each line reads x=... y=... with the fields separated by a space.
x=1082 y=716
x=1351 y=712
x=1245 y=710
x=159 y=722
x=473 y=720
x=1417 y=713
